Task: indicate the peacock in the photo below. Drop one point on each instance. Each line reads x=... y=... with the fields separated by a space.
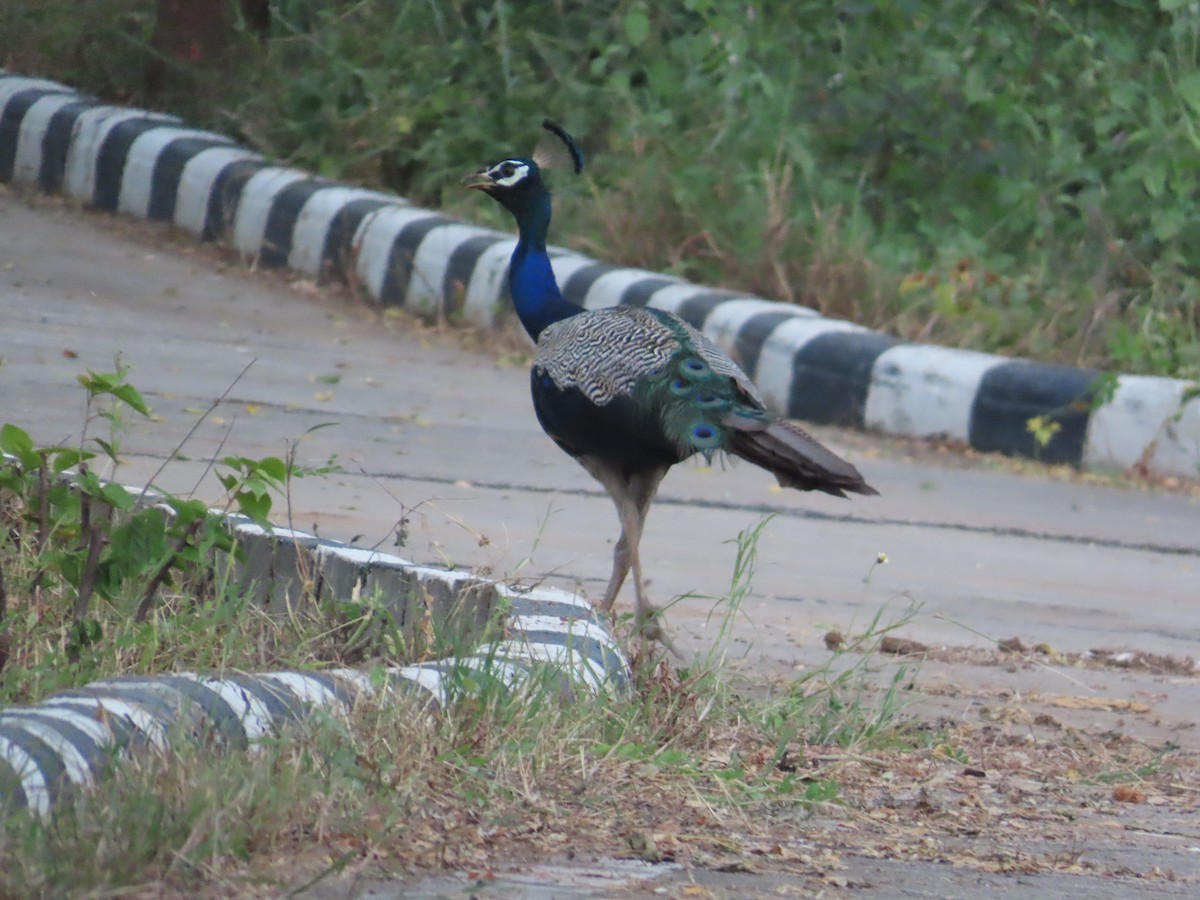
x=630 y=392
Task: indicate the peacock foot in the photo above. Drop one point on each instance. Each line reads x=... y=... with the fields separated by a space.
x=650 y=627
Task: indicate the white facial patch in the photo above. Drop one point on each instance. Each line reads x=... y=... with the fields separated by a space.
x=509 y=172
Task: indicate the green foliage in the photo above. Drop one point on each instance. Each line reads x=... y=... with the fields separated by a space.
x=94 y=573
x=1011 y=177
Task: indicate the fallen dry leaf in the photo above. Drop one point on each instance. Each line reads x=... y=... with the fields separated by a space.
x=1126 y=793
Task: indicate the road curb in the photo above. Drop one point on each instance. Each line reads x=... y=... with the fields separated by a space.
x=808 y=367
x=551 y=639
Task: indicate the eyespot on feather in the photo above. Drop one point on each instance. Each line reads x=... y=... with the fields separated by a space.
x=703 y=436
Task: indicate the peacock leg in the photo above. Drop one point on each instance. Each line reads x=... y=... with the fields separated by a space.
x=638 y=488
x=631 y=493
x=619 y=571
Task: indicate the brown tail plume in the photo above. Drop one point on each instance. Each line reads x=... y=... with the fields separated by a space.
x=796 y=459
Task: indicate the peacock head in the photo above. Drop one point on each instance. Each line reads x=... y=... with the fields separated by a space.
x=512 y=182
x=516 y=182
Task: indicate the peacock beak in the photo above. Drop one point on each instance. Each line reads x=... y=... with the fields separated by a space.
x=479 y=181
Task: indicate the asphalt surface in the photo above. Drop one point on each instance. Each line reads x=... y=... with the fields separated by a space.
x=446 y=440
x=443 y=439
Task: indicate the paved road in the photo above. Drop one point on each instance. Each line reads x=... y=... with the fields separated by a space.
x=423 y=425
x=444 y=438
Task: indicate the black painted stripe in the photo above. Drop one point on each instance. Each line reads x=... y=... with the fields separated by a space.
x=410 y=687
x=11 y=117
x=112 y=155
x=56 y=143
x=168 y=170
x=640 y=292
x=752 y=337
x=281 y=220
x=12 y=793
x=281 y=704
x=400 y=258
x=337 y=256
x=48 y=762
x=459 y=269
x=831 y=375
x=152 y=703
x=345 y=693
x=583 y=645
x=694 y=310
x=98 y=756
x=226 y=195
x=1011 y=394
x=582 y=279
x=593 y=649
x=123 y=733
x=529 y=606
x=216 y=709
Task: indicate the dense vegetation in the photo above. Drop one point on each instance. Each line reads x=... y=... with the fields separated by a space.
x=1016 y=177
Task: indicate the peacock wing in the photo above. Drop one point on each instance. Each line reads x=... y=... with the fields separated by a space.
x=605 y=353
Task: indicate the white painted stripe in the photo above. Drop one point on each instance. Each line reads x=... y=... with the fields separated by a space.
x=580 y=628
x=673 y=296
x=99 y=707
x=1143 y=412
x=727 y=320
x=361 y=680
x=922 y=391
x=304 y=687
x=362 y=557
x=251 y=712
x=33 y=782
x=574 y=662
x=487 y=283
x=97 y=731
x=87 y=137
x=253 y=528
x=545 y=594
x=376 y=234
x=430 y=679
x=312 y=225
x=75 y=764
x=453 y=577
x=27 y=163
x=196 y=184
x=609 y=288
x=11 y=85
x=137 y=180
x=429 y=265
x=777 y=360
x=258 y=195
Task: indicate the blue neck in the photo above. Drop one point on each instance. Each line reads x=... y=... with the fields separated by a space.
x=535 y=292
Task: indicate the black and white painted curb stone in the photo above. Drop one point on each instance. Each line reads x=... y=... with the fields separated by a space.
x=551 y=639
x=807 y=366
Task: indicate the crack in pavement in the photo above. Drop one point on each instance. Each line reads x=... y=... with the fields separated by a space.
x=817 y=516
